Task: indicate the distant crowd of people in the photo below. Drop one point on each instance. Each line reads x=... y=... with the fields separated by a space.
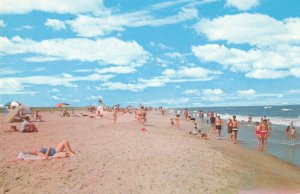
x=262 y=129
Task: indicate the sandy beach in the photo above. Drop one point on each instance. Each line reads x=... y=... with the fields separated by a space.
x=120 y=158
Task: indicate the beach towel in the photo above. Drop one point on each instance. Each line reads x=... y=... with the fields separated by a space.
x=29 y=156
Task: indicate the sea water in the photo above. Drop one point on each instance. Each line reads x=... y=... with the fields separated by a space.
x=278 y=144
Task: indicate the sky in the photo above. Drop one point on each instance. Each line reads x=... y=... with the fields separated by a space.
x=180 y=53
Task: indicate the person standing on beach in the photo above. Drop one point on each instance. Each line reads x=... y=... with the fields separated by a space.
x=249 y=119
x=293 y=134
x=264 y=128
x=257 y=132
x=212 y=123
x=219 y=124
x=235 y=128
x=186 y=114
x=115 y=113
x=229 y=129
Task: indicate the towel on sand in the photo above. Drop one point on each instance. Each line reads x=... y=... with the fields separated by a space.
x=29 y=156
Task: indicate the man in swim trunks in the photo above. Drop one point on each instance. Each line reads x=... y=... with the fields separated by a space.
x=235 y=128
x=219 y=124
x=264 y=128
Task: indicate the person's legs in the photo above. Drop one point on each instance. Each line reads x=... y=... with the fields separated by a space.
x=234 y=133
x=64 y=145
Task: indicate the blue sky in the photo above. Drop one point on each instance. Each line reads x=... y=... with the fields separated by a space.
x=159 y=53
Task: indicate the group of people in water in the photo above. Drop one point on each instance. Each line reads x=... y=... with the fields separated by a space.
x=262 y=129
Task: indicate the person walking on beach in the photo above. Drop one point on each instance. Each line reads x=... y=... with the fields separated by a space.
x=257 y=132
x=229 y=129
x=235 y=128
x=115 y=113
x=212 y=123
x=219 y=124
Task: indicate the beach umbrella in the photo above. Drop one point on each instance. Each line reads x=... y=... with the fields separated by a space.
x=17 y=105
x=13 y=104
x=62 y=104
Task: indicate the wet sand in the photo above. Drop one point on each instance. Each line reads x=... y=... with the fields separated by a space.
x=120 y=158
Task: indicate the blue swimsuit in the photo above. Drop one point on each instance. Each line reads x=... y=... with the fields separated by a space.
x=51 y=152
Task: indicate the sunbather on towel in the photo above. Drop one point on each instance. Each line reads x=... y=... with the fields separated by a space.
x=62 y=150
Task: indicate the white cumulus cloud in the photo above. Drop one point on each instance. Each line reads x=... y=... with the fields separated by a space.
x=17 y=84
x=55 y=6
x=252 y=29
x=267 y=74
x=107 y=50
x=2 y=24
x=243 y=5
x=192 y=92
x=183 y=74
x=249 y=92
x=90 y=26
x=55 y=24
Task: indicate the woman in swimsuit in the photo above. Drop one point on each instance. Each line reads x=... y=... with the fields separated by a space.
x=63 y=147
x=257 y=132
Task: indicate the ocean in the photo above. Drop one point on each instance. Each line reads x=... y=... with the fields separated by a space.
x=279 y=145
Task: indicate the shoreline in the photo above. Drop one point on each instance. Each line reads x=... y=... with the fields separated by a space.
x=121 y=158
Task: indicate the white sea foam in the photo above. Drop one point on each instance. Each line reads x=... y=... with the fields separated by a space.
x=274 y=120
x=286 y=109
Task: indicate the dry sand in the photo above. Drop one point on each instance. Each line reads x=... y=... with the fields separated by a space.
x=120 y=158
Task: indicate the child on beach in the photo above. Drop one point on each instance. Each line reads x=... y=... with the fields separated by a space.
x=195 y=131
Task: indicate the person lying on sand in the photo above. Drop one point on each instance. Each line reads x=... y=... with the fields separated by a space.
x=62 y=149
